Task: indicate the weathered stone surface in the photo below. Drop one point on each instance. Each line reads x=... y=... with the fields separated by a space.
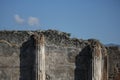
x=114 y=62
x=65 y=58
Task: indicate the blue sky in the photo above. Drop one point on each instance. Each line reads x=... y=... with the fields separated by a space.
x=99 y=19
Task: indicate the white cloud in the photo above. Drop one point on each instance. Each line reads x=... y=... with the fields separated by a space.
x=18 y=19
x=33 y=21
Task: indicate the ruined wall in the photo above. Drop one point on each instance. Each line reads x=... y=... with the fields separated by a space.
x=11 y=50
x=65 y=58
x=114 y=63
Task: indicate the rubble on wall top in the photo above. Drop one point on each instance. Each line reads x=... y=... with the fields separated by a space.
x=52 y=37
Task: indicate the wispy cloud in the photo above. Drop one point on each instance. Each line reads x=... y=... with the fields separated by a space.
x=33 y=21
x=18 y=19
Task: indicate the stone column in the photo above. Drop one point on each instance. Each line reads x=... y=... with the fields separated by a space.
x=40 y=57
x=99 y=63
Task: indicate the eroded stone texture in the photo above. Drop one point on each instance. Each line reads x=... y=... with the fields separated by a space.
x=9 y=61
x=114 y=63
x=40 y=57
x=99 y=65
x=65 y=58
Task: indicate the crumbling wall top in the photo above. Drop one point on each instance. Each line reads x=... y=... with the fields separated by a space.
x=53 y=37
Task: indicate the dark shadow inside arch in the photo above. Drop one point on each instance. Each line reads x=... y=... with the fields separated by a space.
x=83 y=63
x=27 y=60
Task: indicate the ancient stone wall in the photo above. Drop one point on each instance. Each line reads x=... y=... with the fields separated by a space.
x=65 y=58
x=114 y=63
x=14 y=48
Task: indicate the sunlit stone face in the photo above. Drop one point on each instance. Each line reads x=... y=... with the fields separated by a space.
x=97 y=64
x=40 y=58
